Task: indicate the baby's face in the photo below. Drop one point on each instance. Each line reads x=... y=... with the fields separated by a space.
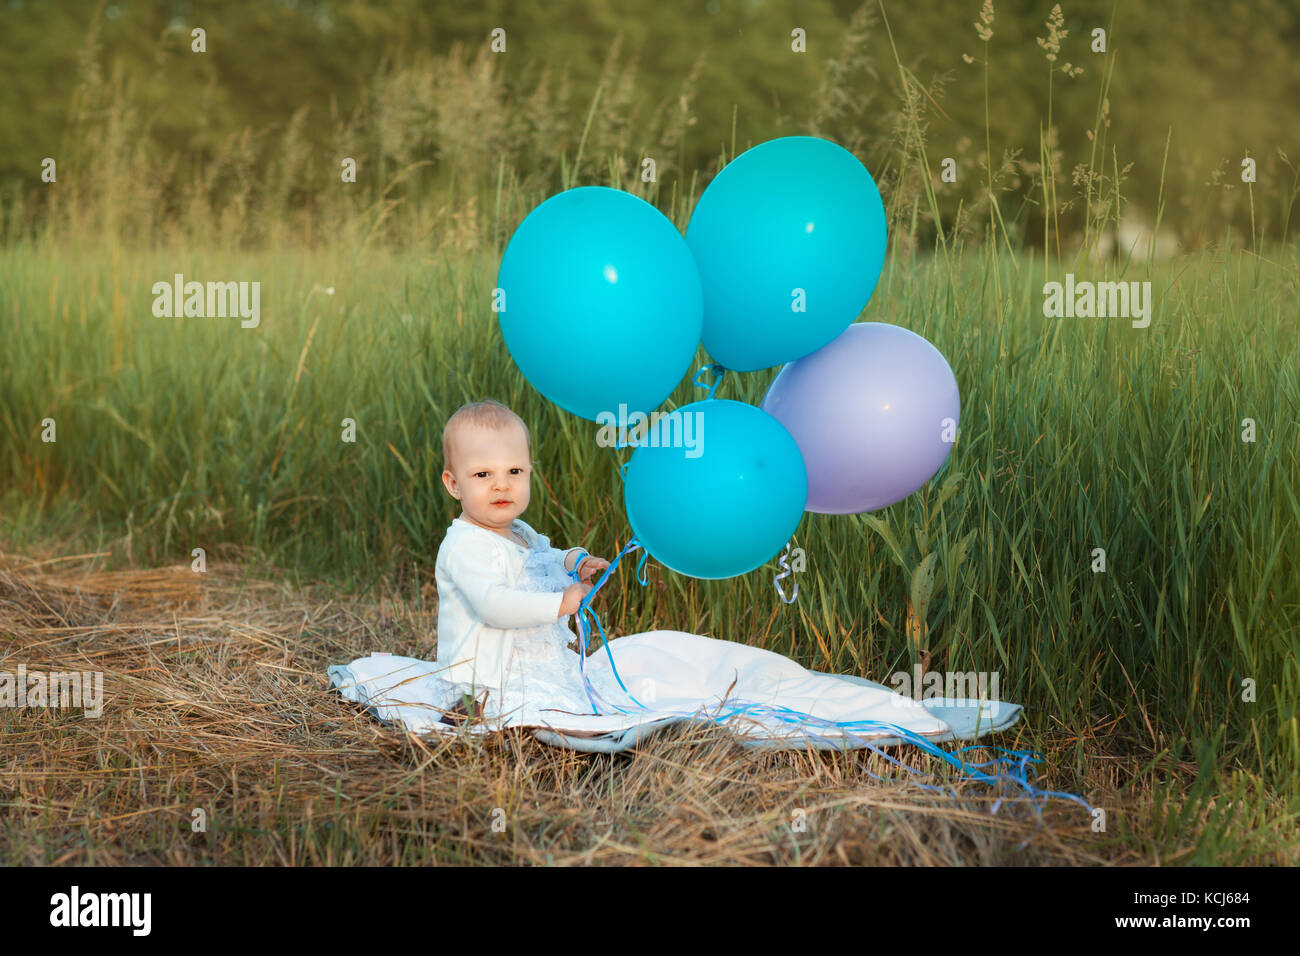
x=488 y=466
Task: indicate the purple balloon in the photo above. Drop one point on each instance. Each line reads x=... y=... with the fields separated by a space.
x=874 y=413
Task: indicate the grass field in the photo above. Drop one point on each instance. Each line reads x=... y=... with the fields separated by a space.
x=1075 y=434
x=1164 y=689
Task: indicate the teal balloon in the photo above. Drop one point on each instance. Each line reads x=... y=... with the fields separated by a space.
x=601 y=302
x=722 y=492
x=793 y=224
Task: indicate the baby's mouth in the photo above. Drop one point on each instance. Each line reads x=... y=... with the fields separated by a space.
x=503 y=502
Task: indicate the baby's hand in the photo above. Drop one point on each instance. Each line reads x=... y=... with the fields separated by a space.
x=573 y=596
x=590 y=565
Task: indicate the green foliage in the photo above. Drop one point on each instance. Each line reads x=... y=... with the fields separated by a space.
x=1075 y=434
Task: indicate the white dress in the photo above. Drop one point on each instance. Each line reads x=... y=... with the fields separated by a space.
x=487 y=581
x=499 y=606
x=543 y=681
x=499 y=630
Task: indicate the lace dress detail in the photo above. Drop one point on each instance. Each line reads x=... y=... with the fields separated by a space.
x=543 y=681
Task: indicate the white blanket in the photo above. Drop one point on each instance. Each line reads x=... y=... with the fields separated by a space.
x=682 y=677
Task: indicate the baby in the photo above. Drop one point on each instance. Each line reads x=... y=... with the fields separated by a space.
x=503 y=596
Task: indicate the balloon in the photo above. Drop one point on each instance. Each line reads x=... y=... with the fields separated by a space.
x=602 y=303
x=796 y=213
x=721 y=500
x=874 y=413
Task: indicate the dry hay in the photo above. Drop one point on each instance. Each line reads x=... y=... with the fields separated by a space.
x=216 y=698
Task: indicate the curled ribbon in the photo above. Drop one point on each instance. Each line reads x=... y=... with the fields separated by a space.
x=776 y=582
x=719 y=370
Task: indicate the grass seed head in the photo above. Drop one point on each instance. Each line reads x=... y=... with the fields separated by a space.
x=985 y=26
x=1056 y=32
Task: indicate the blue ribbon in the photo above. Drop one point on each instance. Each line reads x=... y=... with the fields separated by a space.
x=584 y=608
x=720 y=370
x=582 y=555
x=1010 y=766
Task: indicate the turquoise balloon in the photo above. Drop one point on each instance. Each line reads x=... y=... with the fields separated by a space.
x=721 y=494
x=796 y=213
x=602 y=302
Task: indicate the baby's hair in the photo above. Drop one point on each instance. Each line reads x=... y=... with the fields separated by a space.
x=484 y=414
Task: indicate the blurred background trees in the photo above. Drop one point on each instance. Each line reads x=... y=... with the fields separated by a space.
x=153 y=140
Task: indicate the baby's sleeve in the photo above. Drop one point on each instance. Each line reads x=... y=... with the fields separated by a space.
x=479 y=575
x=563 y=557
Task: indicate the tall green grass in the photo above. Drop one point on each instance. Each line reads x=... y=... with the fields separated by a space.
x=1075 y=434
